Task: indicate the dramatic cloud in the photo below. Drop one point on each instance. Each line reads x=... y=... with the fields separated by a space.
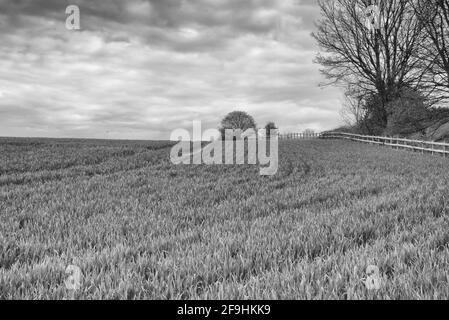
x=139 y=69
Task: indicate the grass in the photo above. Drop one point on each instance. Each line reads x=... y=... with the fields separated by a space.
x=142 y=228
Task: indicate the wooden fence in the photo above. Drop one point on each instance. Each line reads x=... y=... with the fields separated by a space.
x=396 y=143
x=297 y=136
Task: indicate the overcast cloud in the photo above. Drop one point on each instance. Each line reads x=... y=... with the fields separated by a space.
x=139 y=69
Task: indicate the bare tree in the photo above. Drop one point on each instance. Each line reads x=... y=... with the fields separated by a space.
x=434 y=17
x=381 y=61
x=353 y=107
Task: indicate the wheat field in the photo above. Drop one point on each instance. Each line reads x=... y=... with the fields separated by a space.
x=140 y=227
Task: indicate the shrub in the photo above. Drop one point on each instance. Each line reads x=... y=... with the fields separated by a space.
x=406 y=114
x=269 y=127
x=237 y=120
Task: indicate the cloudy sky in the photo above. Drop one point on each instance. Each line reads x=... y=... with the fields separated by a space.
x=139 y=69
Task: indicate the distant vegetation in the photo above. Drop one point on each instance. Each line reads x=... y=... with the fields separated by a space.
x=395 y=73
x=240 y=120
x=237 y=120
x=269 y=127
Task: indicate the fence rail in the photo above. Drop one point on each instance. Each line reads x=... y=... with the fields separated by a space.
x=297 y=136
x=396 y=143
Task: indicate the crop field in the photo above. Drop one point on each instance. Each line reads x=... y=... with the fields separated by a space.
x=140 y=227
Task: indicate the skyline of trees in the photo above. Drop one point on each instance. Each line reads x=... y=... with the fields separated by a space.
x=408 y=51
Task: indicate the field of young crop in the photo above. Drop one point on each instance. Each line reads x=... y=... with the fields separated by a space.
x=141 y=228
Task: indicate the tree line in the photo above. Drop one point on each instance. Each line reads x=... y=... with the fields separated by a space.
x=241 y=120
x=396 y=73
